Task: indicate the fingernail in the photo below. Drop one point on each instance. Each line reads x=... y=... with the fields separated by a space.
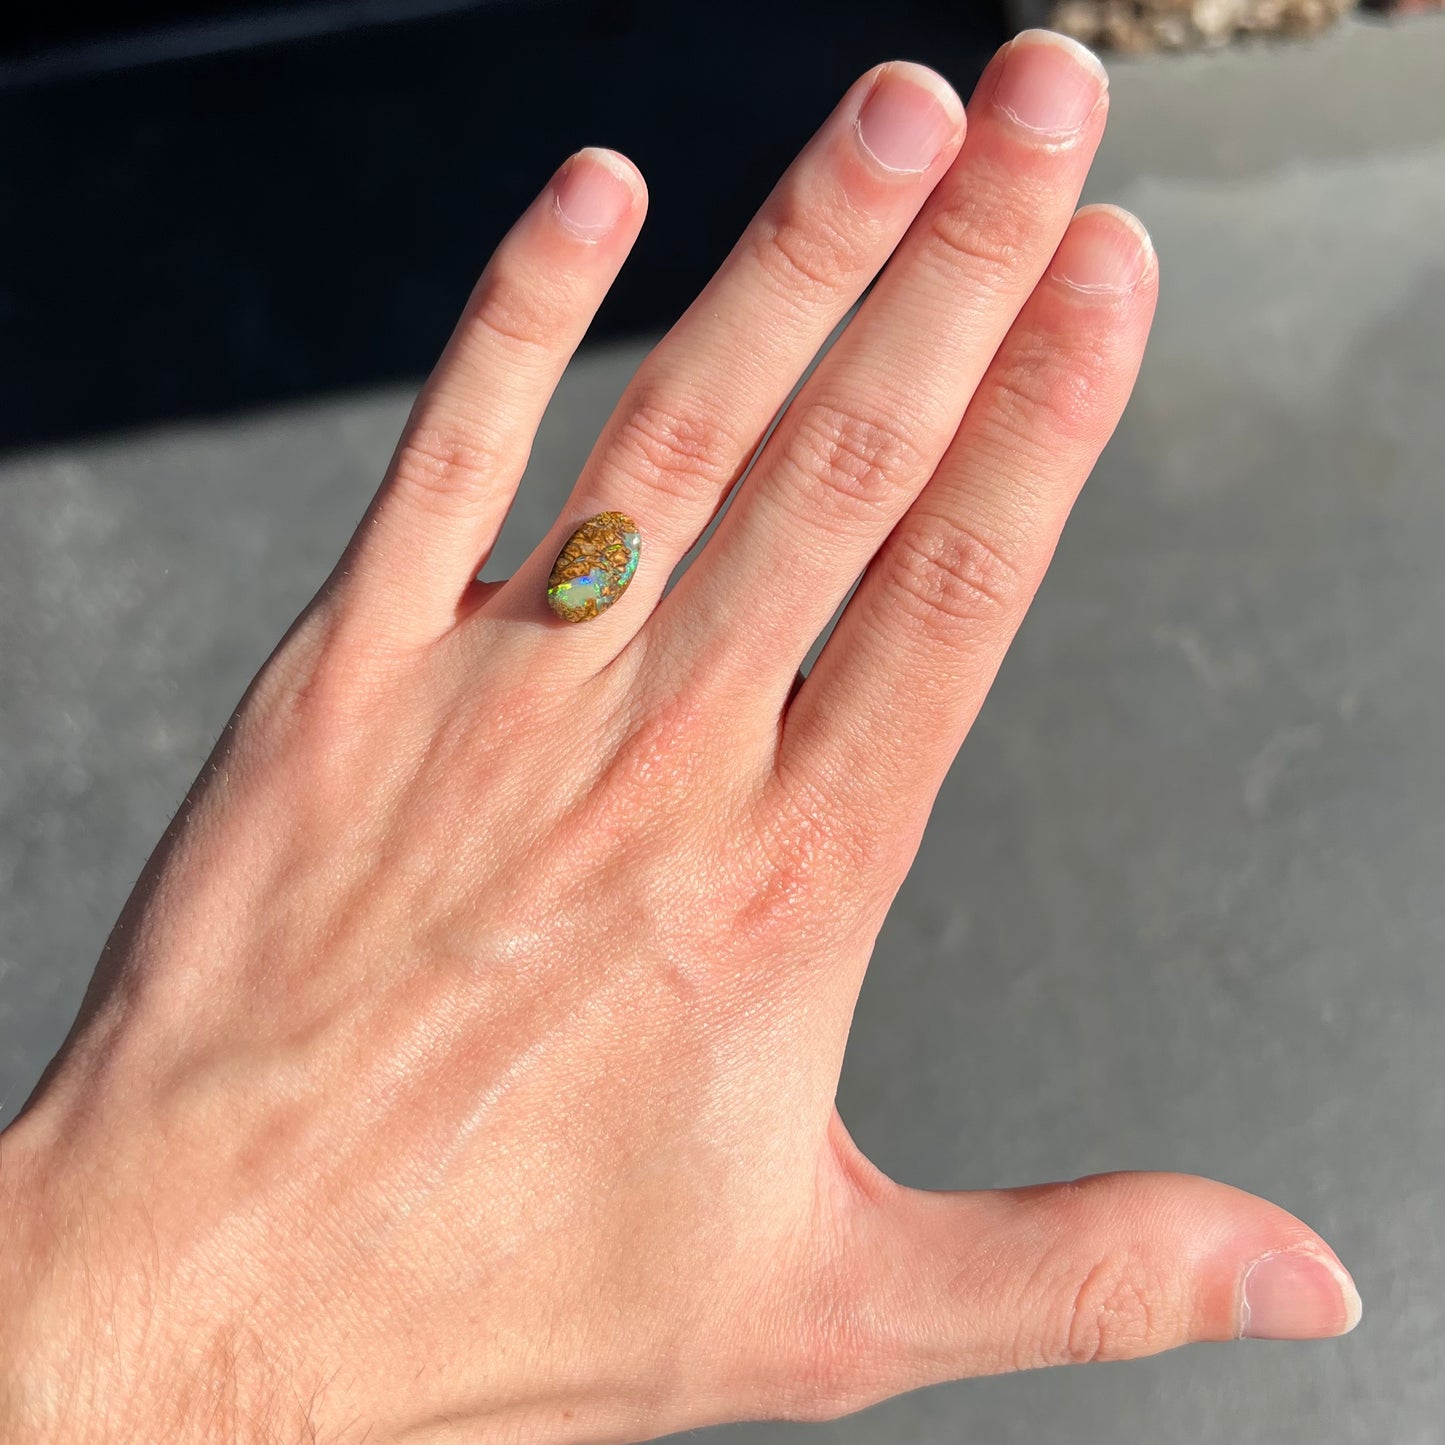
x=1105 y=250
x=1296 y=1295
x=909 y=116
x=1049 y=83
x=593 y=192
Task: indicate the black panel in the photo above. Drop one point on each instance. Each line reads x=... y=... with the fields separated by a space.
x=281 y=220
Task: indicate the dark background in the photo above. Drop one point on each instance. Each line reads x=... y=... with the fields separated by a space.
x=212 y=207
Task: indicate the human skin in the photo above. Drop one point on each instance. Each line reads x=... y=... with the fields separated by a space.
x=463 y=1067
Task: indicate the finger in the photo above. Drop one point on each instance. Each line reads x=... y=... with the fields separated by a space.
x=930 y=1287
x=466 y=442
x=887 y=704
x=694 y=413
x=867 y=429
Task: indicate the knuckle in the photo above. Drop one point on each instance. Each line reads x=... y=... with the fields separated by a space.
x=517 y=314
x=782 y=891
x=680 y=449
x=940 y=574
x=662 y=754
x=1112 y=1314
x=986 y=231
x=847 y=465
x=804 y=254
x=806 y=873
x=449 y=473
x=1047 y=390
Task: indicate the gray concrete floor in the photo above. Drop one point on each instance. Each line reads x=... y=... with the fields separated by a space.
x=1182 y=902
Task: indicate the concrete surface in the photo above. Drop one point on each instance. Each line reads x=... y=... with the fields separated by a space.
x=1182 y=903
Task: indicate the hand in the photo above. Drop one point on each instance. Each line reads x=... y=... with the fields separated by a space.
x=463 y=1067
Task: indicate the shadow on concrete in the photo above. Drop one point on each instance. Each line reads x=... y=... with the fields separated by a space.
x=281 y=220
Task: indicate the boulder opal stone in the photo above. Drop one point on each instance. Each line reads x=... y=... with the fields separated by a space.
x=592 y=571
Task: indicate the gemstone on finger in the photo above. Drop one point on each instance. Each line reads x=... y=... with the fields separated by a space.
x=594 y=567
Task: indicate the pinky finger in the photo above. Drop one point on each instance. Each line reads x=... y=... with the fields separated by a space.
x=466 y=443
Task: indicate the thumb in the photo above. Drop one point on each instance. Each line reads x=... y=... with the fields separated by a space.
x=1112 y=1267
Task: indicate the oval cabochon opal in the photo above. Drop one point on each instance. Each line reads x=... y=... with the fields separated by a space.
x=593 y=569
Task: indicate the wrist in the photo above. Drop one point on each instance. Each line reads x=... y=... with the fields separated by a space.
x=91 y=1350
x=39 y=1364
x=80 y=1345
